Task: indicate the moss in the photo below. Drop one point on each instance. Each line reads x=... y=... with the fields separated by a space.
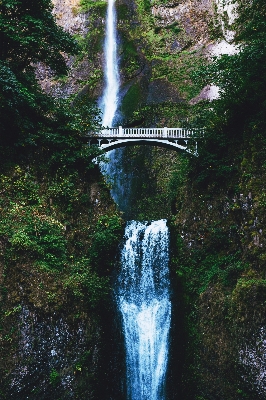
x=131 y=100
x=51 y=235
x=74 y=11
x=54 y=377
x=248 y=302
x=99 y=5
x=123 y=12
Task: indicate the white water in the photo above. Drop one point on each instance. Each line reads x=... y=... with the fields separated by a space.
x=143 y=299
x=142 y=290
x=228 y=8
x=109 y=102
x=117 y=178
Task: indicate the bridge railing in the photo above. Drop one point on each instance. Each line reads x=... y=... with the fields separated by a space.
x=162 y=133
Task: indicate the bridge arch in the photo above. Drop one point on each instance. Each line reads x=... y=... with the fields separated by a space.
x=171 y=138
x=151 y=142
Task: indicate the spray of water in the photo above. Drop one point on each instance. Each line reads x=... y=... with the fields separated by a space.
x=109 y=102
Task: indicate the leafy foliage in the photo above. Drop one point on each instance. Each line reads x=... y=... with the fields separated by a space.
x=29 y=34
x=44 y=223
x=87 y=5
x=46 y=163
x=238 y=118
x=220 y=251
x=54 y=377
x=29 y=118
x=105 y=239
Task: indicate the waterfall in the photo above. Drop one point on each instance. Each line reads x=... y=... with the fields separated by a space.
x=109 y=100
x=143 y=298
x=142 y=288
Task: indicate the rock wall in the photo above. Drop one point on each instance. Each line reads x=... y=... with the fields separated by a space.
x=55 y=341
x=88 y=28
x=68 y=16
x=220 y=260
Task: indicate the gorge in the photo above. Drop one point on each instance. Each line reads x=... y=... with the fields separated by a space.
x=62 y=237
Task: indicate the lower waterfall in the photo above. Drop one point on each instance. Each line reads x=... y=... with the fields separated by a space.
x=143 y=298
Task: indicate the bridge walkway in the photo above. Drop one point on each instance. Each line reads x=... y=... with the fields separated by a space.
x=175 y=138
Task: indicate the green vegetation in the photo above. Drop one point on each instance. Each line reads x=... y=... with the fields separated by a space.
x=29 y=35
x=51 y=227
x=41 y=222
x=219 y=240
x=162 y=49
x=87 y=5
x=59 y=230
x=131 y=100
x=54 y=377
x=236 y=121
x=168 y=50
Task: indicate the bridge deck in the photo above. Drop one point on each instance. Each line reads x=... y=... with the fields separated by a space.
x=173 y=138
x=158 y=133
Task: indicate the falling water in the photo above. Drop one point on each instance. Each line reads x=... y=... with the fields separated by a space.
x=109 y=100
x=110 y=96
x=142 y=290
x=142 y=295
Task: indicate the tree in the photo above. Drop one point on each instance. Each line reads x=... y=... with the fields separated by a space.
x=28 y=35
x=238 y=117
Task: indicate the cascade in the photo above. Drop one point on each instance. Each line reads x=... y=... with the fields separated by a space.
x=109 y=100
x=142 y=286
x=142 y=296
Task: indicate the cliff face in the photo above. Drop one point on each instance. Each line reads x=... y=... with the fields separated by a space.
x=220 y=262
x=158 y=46
x=68 y=16
x=85 y=71
x=55 y=290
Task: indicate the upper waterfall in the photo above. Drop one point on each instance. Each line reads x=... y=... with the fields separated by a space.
x=109 y=101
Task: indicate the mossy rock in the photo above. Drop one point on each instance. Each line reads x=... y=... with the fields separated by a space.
x=88 y=5
x=161 y=91
x=249 y=299
x=131 y=100
x=123 y=12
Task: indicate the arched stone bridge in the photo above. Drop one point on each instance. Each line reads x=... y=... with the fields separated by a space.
x=172 y=138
